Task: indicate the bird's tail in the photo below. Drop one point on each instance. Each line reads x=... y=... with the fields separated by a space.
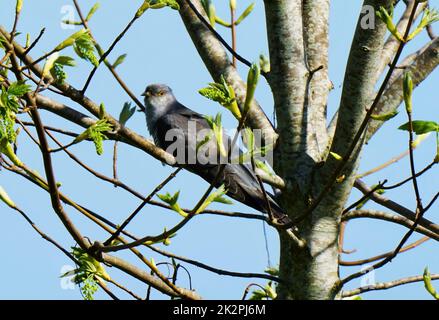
x=258 y=201
x=279 y=216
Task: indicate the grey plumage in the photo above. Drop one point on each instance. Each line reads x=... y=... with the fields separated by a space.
x=165 y=113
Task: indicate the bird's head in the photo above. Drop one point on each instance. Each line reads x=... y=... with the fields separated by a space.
x=158 y=97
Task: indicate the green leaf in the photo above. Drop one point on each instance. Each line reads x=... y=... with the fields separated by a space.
x=224 y=94
x=428 y=285
x=126 y=113
x=421 y=127
x=27 y=40
x=166 y=241
x=436 y=158
x=264 y=167
x=86 y=273
x=246 y=12
x=18 y=6
x=142 y=8
x=85 y=49
x=232 y=4
x=89 y=287
x=216 y=196
x=268 y=292
x=209 y=8
x=222 y=22
x=202 y=142
x=57 y=70
x=272 y=271
x=66 y=61
x=6 y=199
x=119 y=60
x=102 y=111
x=336 y=156
x=71 y=40
x=18 y=89
x=92 y=11
x=387 y=18
x=50 y=62
x=264 y=63
x=407 y=91
x=216 y=126
x=171 y=200
x=73 y=23
x=96 y=133
x=429 y=16
x=363 y=203
x=385 y=116
x=158 y=4
x=9 y=105
x=252 y=82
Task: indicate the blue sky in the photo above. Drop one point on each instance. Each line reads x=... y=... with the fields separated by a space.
x=160 y=51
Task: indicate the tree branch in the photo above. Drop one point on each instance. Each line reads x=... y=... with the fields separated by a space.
x=384 y=255
x=217 y=62
x=316 y=42
x=401 y=210
x=386 y=285
x=360 y=79
x=288 y=80
x=420 y=64
x=381 y=215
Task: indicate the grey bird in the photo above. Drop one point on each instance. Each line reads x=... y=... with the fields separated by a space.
x=164 y=114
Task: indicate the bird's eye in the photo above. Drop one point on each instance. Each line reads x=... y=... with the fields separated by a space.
x=160 y=93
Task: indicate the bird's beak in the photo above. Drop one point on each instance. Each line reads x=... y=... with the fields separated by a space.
x=146 y=94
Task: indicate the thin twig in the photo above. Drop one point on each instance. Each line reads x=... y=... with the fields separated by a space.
x=435 y=197
x=34 y=43
x=233 y=29
x=386 y=285
x=384 y=255
x=213 y=269
x=135 y=296
x=417 y=175
x=247 y=290
x=115 y=177
x=366 y=196
x=106 y=53
x=428 y=229
x=104 y=287
x=140 y=207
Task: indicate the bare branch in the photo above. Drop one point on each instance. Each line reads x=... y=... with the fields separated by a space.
x=381 y=215
x=384 y=255
x=147 y=278
x=401 y=210
x=216 y=270
x=386 y=285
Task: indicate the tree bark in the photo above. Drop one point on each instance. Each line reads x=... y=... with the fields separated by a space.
x=313 y=271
